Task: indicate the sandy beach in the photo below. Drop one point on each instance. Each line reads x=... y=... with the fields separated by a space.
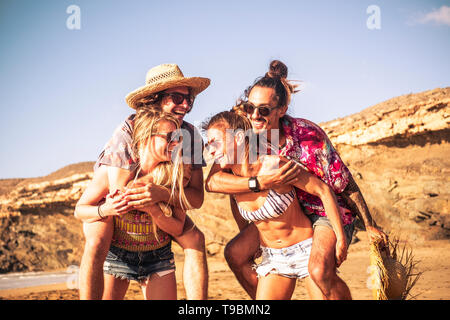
x=434 y=283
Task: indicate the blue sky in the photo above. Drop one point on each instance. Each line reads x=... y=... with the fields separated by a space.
x=62 y=91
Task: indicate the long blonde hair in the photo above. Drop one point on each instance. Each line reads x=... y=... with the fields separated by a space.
x=168 y=174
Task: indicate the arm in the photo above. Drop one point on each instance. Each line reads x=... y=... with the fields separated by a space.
x=220 y=181
x=118 y=177
x=225 y=182
x=194 y=191
x=313 y=185
x=173 y=225
x=241 y=222
x=109 y=176
x=150 y=194
x=87 y=207
x=354 y=198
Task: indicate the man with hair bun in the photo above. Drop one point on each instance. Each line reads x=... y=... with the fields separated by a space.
x=265 y=103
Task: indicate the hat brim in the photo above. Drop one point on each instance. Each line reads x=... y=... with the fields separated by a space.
x=391 y=275
x=197 y=84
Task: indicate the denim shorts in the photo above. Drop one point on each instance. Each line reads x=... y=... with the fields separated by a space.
x=317 y=220
x=290 y=262
x=139 y=266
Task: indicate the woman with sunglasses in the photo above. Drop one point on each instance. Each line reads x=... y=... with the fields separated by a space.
x=168 y=89
x=265 y=104
x=141 y=245
x=284 y=231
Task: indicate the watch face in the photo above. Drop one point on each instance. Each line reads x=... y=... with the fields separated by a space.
x=252 y=183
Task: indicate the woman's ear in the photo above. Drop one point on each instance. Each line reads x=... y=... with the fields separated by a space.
x=239 y=137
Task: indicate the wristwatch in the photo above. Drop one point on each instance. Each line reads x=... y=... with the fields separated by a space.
x=253 y=184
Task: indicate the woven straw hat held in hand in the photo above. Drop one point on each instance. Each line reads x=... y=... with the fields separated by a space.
x=394 y=270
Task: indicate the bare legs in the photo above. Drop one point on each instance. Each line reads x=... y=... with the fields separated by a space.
x=323 y=282
x=195 y=270
x=275 y=287
x=154 y=288
x=322 y=265
x=98 y=239
x=239 y=253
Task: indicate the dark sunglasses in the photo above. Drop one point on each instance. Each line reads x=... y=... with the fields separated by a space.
x=178 y=98
x=173 y=136
x=263 y=110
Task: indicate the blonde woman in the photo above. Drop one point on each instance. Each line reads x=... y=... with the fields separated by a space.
x=285 y=232
x=168 y=89
x=141 y=245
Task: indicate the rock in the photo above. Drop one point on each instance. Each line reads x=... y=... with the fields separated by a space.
x=37 y=228
x=396 y=118
x=401 y=147
x=213 y=248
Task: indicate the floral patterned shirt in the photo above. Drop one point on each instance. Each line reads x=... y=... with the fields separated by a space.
x=308 y=143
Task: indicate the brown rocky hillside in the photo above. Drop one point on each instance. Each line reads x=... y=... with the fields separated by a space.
x=397 y=150
x=399 y=153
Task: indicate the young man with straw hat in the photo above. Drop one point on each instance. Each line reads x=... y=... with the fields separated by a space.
x=165 y=88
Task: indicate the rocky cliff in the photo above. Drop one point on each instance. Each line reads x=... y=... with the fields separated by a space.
x=37 y=227
x=398 y=152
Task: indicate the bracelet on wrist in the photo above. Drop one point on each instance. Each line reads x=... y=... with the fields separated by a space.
x=99 y=212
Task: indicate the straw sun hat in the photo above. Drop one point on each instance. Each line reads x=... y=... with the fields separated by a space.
x=163 y=77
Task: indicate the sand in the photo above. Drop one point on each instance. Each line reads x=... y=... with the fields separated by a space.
x=434 y=284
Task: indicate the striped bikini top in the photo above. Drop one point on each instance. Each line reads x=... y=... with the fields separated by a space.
x=274 y=206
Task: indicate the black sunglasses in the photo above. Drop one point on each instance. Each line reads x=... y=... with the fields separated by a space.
x=178 y=98
x=263 y=110
x=173 y=136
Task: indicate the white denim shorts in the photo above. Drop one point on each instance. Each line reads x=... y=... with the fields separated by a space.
x=291 y=262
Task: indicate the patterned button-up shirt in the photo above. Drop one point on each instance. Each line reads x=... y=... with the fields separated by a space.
x=308 y=143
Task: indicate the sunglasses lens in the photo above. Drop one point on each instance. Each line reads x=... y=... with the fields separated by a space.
x=177 y=98
x=248 y=108
x=264 y=111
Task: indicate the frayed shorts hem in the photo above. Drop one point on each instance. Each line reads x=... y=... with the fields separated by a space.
x=139 y=266
x=289 y=262
x=141 y=279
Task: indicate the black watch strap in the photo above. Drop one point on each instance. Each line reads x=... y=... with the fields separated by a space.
x=253 y=184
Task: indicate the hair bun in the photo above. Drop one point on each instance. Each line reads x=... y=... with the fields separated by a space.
x=277 y=70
